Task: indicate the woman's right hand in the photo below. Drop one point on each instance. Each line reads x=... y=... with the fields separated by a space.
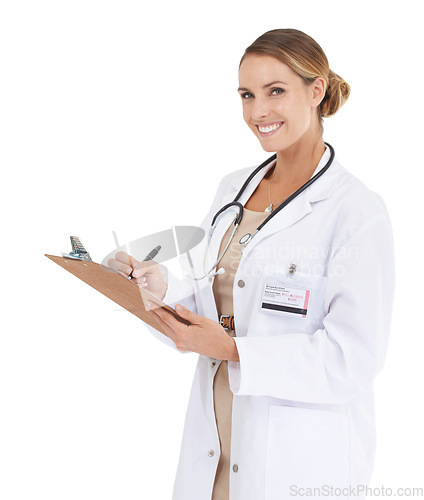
x=146 y=274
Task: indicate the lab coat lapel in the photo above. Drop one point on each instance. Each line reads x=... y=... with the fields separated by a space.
x=289 y=215
x=301 y=206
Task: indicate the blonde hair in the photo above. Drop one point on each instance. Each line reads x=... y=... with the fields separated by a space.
x=306 y=58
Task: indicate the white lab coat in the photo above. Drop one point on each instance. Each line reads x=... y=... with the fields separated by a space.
x=303 y=409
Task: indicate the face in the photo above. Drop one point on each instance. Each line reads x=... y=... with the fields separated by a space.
x=278 y=106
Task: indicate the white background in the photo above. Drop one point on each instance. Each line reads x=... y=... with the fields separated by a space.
x=124 y=116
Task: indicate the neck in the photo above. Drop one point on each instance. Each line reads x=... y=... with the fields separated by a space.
x=296 y=164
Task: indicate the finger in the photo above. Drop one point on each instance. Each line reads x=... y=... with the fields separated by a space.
x=169 y=332
x=144 y=267
x=140 y=281
x=119 y=266
x=191 y=317
x=126 y=259
x=140 y=272
x=165 y=315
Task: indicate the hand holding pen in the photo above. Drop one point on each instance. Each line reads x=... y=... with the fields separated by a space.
x=150 y=256
x=146 y=274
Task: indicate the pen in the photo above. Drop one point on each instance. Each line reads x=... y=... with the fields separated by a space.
x=150 y=256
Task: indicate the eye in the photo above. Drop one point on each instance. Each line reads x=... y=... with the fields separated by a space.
x=246 y=95
x=277 y=91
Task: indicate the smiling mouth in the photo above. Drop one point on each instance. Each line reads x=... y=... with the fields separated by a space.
x=269 y=129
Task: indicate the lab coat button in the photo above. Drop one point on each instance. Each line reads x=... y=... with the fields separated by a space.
x=241 y=283
x=211 y=453
x=235 y=468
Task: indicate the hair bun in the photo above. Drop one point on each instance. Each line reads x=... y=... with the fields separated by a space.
x=337 y=93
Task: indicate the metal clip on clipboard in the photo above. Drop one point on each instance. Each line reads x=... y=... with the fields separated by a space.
x=78 y=250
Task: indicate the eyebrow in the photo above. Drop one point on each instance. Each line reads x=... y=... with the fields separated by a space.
x=265 y=86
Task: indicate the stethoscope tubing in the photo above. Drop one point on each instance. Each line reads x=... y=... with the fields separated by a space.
x=236 y=203
x=301 y=189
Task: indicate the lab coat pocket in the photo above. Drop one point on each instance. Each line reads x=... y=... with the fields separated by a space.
x=306 y=448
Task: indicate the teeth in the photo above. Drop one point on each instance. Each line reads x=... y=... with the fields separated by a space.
x=270 y=128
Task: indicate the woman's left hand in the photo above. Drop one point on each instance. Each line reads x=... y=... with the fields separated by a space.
x=203 y=335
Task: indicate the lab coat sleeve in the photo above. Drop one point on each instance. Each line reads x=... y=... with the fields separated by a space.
x=341 y=359
x=178 y=292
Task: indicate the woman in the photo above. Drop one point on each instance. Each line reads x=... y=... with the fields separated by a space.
x=282 y=399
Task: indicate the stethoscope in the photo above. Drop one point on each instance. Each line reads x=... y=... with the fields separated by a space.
x=236 y=206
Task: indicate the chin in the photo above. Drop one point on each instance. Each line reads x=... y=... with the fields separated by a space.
x=269 y=148
x=273 y=146
x=276 y=146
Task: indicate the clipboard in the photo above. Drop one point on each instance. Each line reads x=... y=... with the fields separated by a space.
x=116 y=287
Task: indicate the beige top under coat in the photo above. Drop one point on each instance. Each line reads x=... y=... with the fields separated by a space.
x=223 y=397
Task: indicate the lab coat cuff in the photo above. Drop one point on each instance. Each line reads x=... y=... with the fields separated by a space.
x=178 y=291
x=238 y=370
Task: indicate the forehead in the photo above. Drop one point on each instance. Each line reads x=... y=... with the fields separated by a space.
x=259 y=69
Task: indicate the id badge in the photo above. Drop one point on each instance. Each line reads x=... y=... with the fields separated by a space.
x=285 y=300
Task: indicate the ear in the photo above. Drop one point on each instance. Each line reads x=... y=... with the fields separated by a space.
x=318 y=89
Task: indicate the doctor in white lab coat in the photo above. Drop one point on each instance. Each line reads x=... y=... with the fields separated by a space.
x=303 y=410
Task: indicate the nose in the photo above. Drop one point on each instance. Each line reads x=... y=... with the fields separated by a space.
x=259 y=109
